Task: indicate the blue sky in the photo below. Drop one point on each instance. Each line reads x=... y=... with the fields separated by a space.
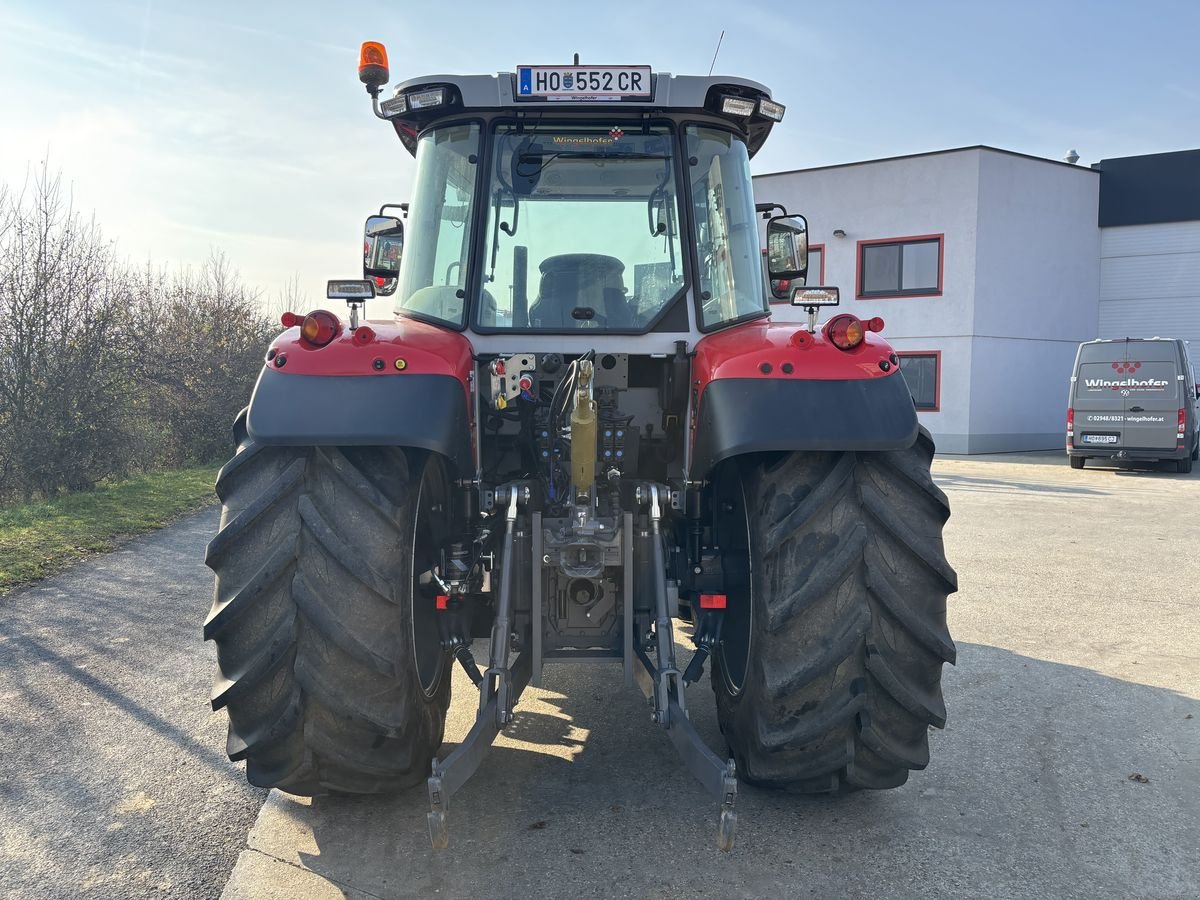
x=241 y=127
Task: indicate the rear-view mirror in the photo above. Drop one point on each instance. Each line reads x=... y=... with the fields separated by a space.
x=383 y=246
x=787 y=247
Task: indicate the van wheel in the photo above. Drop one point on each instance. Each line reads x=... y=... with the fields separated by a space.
x=1077 y=461
x=1196 y=450
x=1183 y=466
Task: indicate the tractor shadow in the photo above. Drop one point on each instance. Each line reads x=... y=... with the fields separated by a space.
x=1050 y=780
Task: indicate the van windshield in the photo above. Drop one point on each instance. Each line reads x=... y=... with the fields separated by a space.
x=582 y=231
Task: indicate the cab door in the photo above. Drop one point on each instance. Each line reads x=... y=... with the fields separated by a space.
x=1151 y=393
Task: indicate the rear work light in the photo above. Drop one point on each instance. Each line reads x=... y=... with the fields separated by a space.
x=397 y=106
x=845 y=331
x=426 y=99
x=319 y=328
x=737 y=106
x=770 y=109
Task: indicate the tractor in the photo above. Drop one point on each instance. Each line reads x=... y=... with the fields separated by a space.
x=579 y=423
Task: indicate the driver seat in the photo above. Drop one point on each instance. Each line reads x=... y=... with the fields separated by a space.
x=580 y=281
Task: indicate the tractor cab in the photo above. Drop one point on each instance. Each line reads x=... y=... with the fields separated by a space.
x=610 y=202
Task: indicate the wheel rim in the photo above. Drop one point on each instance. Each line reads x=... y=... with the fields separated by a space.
x=427 y=653
x=731 y=532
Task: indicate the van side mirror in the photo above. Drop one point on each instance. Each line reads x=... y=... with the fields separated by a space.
x=787 y=247
x=383 y=246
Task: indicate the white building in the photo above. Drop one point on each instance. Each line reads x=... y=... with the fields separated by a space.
x=990 y=267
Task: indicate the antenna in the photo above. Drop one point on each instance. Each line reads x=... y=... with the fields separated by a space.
x=715 y=52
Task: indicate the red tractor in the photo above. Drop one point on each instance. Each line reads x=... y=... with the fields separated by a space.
x=580 y=421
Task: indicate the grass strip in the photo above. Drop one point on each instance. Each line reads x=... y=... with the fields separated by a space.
x=39 y=539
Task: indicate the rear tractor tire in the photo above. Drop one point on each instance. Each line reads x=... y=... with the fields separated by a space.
x=829 y=673
x=329 y=663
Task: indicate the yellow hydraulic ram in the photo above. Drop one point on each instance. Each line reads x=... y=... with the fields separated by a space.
x=583 y=432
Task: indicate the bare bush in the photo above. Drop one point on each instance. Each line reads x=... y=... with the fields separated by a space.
x=104 y=370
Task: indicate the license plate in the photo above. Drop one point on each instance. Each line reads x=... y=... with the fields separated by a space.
x=583 y=83
x=1099 y=438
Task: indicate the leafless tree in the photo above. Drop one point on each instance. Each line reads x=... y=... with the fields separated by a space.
x=292 y=298
x=104 y=369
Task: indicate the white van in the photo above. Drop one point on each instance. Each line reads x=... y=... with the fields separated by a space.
x=1133 y=399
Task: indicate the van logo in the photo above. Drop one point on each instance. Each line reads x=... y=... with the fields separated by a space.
x=1125 y=385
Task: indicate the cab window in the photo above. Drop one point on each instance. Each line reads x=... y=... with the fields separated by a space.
x=433 y=268
x=730 y=274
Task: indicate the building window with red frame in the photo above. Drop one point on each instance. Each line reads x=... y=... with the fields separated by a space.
x=900 y=267
x=923 y=374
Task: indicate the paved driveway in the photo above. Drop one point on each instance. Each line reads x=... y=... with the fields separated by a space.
x=1070 y=766
x=113 y=776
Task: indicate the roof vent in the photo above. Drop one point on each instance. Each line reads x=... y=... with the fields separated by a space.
x=1072 y=157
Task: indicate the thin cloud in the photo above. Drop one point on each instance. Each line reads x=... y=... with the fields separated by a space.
x=44 y=41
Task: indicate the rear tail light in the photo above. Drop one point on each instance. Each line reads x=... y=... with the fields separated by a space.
x=290 y=320
x=319 y=328
x=1182 y=424
x=875 y=324
x=1070 y=422
x=845 y=331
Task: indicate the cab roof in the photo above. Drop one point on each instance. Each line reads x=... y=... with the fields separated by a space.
x=670 y=95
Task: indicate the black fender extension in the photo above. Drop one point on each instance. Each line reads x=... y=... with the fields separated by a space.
x=403 y=410
x=752 y=415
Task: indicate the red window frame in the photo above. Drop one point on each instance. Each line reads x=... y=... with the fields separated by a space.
x=907 y=239
x=785 y=301
x=937 y=376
